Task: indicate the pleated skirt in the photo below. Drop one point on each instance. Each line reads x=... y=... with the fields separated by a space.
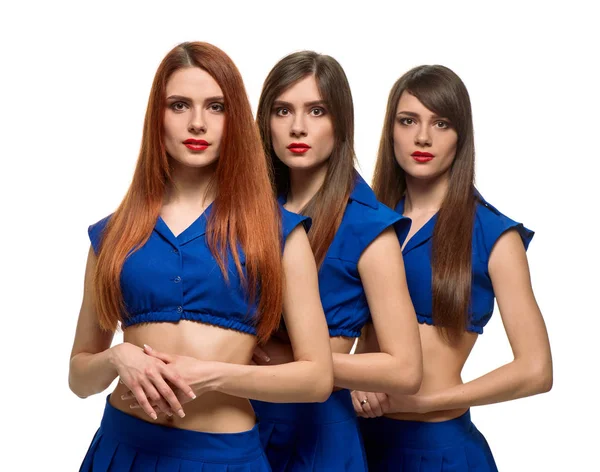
x=127 y=444
x=307 y=437
x=415 y=446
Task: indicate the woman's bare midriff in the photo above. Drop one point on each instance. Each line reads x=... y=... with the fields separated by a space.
x=442 y=367
x=211 y=412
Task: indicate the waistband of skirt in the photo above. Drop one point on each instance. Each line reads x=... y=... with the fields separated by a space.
x=186 y=444
x=419 y=434
x=337 y=408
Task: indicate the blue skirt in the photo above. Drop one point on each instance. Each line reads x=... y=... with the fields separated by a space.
x=303 y=437
x=406 y=446
x=125 y=443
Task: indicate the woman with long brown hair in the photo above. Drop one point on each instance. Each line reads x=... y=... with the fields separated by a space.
x=306 y=119
x=459 y=255
x=191 y=264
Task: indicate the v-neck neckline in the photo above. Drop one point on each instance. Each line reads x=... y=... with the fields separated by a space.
x=193 y=230
x=423 y=234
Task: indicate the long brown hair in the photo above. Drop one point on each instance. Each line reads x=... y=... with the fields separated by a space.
x=244 y=210
x=327 y=207
x=441 y=91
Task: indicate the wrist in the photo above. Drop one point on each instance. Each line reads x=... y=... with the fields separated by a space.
x=209 y=376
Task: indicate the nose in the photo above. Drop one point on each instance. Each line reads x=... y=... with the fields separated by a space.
x=298 y=126
x=423 y=136
x=197 y=124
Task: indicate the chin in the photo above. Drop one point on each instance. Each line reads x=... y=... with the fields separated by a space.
x=196 y=162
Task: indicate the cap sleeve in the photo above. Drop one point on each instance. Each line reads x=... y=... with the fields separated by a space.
x=96 y=232
x=494 y=224
x=290 y=220
x=375 y=222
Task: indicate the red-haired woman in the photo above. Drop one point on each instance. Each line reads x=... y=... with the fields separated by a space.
x=191 y=264
x=459 y=255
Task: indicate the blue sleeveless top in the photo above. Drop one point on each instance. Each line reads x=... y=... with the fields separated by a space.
x=342 y=293
x=489 y=225
x=172 y=278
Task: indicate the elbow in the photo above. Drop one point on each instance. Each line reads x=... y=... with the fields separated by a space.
x=543 y=378
x=75 y=389
x=537 y=377
x=408 y=377
x=411 y=380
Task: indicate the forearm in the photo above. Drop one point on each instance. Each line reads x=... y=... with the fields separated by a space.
x=91 y=373
x=298 y=381
x=376 y=372
x=509 y=382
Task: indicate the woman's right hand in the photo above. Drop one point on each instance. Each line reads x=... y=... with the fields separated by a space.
x=146 y=377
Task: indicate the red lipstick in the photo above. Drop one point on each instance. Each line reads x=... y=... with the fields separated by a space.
x=298 y=148
x=196 y=144
x=422 y=156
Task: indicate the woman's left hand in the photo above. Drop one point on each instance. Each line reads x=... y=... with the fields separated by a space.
x=200 y=375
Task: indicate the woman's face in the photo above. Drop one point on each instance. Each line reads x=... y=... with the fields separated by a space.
x=301 y=127
x=424 y=143
x=194 y=118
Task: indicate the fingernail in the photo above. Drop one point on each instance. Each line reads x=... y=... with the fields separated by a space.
x=147 y=347
x=154 y=417
x=267 y=359
x=181 y=413
x=123 y=397
x=169 y=413
x=192 y=395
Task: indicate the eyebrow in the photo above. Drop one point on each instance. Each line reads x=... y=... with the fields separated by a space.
x=281 y=103
x=216 y=98
x=416 y=115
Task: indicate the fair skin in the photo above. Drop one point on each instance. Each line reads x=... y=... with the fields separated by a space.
x=300 y=115
x=443 y=395
x=189 y=359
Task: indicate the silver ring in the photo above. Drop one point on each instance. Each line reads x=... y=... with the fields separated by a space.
x=364 y=402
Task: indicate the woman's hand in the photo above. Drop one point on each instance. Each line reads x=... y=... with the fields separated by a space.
x=146 y=378
x=200 y=375
x=370 y=404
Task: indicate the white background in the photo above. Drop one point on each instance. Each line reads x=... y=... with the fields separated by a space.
x=74 y=86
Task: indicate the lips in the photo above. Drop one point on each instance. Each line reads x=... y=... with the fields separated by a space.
x=298 y=148
x=196 y=144
x=420 y=156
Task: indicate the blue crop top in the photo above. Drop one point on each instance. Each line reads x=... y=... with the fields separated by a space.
x=172 y=278
x=341 y=289
x=489 y=225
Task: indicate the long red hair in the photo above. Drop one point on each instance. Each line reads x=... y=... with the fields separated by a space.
x=244 y=211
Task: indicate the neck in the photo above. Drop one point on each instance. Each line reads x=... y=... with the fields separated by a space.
x=425 y=195
x=191 y=186
x=304 y=184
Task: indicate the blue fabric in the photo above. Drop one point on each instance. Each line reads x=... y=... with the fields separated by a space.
x=172 y=278
x=342 y=293
x=489 y=225
x=415 y=446
x=125 y=443
x=306 y=437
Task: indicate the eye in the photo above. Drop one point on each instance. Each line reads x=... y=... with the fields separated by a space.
x=179 y=106
x=442 y=124
x=282 y=111
x=217 y=107
x=317 y=111
x=406 y=121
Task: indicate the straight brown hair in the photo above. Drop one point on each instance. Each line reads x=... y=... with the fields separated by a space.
x=328 y=205
x=443 y=92
x=244 y=211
